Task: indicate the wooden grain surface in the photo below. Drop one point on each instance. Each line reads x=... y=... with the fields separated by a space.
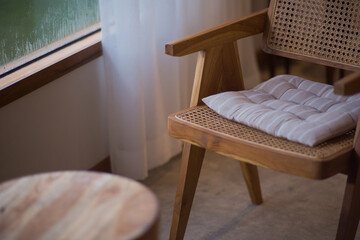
x=225 y=33
x=348 y=85
x=77 y=205
x=350 y=211
x=257 y=154
x=217 y=70
x=191 y=162
x=252 y=181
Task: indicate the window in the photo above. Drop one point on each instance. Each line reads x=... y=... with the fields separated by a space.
x=32 y=28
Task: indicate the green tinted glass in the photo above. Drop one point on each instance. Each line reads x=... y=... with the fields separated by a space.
x=29 y=25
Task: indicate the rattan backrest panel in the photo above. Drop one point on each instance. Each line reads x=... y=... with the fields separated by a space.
x=322 y=31
x=205 y=117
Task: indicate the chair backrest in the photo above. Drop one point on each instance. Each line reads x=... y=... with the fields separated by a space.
x=321 y=31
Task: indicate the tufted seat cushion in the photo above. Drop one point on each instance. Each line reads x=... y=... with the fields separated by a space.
x=290 y=107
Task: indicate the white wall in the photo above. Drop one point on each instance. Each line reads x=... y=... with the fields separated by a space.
x=62 y=125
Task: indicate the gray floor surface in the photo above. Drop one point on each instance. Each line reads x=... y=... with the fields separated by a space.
x=293 y=208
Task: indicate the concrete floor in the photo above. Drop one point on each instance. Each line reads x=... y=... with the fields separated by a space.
x=293 y=208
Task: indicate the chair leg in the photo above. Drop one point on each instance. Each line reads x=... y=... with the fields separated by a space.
x=251 y=177
x=191 y=163
x=350 y=212
x=330 y=72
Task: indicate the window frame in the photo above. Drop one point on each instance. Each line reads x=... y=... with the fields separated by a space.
x=50 y=67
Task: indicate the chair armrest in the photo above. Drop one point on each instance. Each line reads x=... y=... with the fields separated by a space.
x=225 y=33
x=348 y=85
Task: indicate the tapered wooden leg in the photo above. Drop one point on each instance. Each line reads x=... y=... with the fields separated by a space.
x=251 y=177
x=350 y=212
x=191 y=163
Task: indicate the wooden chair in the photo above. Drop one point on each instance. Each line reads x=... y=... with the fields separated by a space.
x=317 y=31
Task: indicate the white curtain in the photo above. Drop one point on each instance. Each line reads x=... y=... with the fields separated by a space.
x=144 y=84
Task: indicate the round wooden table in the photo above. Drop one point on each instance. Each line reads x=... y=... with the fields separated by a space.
x=77 y=205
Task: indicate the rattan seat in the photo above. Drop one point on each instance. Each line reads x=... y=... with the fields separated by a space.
x=316 y=162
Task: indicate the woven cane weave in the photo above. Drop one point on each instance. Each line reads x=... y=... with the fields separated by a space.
x=326 y=30
x=205 y=117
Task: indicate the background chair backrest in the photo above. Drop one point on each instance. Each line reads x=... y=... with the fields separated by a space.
x=320 y=31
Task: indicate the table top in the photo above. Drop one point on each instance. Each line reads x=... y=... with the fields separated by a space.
x=76 y=205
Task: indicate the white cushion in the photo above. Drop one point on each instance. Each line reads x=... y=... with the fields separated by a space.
x=290 y=107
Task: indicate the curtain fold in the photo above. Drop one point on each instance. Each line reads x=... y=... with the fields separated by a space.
x=144 y=84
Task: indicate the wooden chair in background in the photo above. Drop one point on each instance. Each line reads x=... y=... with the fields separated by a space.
x=325 y=39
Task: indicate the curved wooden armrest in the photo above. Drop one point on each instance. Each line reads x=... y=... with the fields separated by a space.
x=348 y=85
x=225 y=33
